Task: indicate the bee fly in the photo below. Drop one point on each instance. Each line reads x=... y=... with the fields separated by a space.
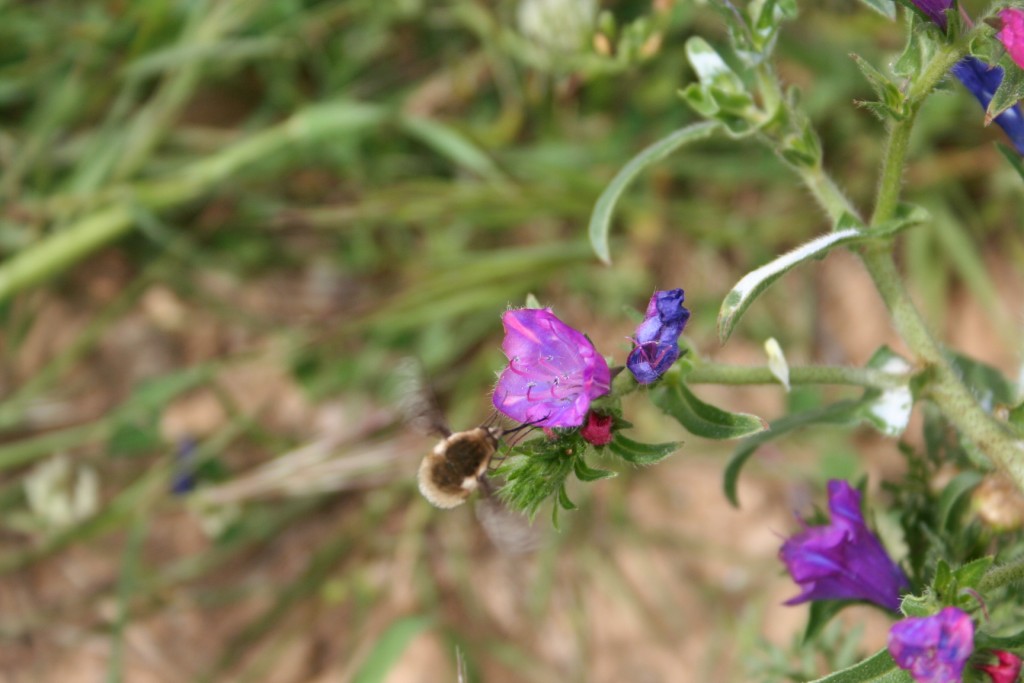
x=457 y=465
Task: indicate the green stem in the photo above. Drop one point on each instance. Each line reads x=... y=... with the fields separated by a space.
x=945 y=387
x=998 y=577
x=718 y=373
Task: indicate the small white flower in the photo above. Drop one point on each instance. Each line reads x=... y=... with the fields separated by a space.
x=61 y=495
x=777 y=361
x=557 y=25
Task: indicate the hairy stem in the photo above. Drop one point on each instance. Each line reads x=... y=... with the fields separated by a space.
x=718 y=373
x=944 y=386
x=998 y=577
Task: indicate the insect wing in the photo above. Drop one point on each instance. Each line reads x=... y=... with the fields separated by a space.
x=510 y=531
x=416 y=400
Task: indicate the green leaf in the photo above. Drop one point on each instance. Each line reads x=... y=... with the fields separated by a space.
x=389 y=648
x=641 y=453
x=1013 y=157
x=878 y=668
x=970 y=575
x=820 y=614
x=600 y=219
x=756 y=281
x=702 y=419
x=711 y=69
x=1010 y=642
x=890 y=95
x=585 y=472
x=1009 y=92
x=953 y=494
x=986 y=382
x=844 y=412
x=564 y=500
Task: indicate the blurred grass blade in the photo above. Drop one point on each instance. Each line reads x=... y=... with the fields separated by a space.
x=63 y=249
x=600 y=220
x=449 y=143
x=756 y=281
x=389 y=648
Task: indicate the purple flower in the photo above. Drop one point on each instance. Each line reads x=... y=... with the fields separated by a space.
x=553 y=370
x=983 y=80
x=183 y=479
x=935 y=9
x=1006 y=671
x=1012 y=33
x=657 y=337
x=843 y=560
x=933 y=649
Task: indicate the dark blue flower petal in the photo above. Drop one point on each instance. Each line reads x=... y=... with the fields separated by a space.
x=657 y=337
x=983 y=80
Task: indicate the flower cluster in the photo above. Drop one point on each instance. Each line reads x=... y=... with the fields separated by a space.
x=554 y=372
x=843 y=560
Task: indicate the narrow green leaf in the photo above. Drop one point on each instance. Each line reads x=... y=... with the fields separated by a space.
x=564 y=500
x=389 y=648
x=585 y=472
x=702 y=419
x=1010 y=642
x=756 y=281
x=1013 y=157
x=820 y=614
x=600 y=219
x=641 y=453
x=844 y=412
x=953 y=494
x=878 y=668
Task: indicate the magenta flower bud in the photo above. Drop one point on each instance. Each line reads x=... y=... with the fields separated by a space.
x=657 y=338
x=1012 y=33
x=553 y=371
x=1007 y=670
x=843 y=560
x=598 y=429
x=933 y=649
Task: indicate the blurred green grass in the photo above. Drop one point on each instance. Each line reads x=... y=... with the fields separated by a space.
x=227 y=220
